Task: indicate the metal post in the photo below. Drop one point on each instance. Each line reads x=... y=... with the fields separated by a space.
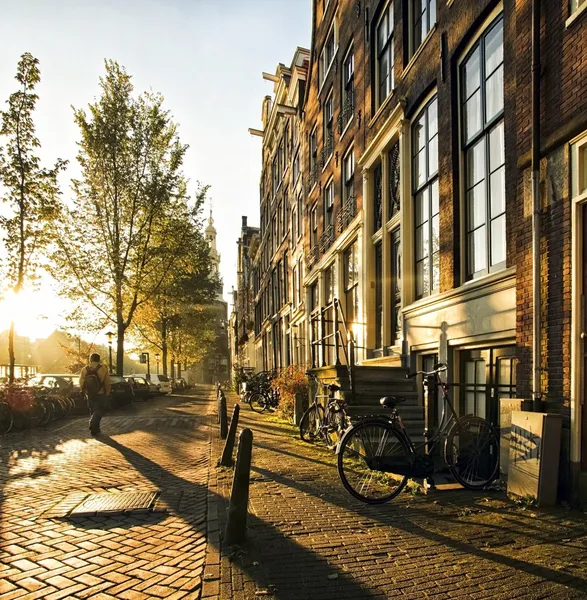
x=236 y=524
x=223 y=417
x=226 y=459
x=148 y=365
x=336 y=332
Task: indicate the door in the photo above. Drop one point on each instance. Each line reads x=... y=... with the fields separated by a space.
x=583 y=347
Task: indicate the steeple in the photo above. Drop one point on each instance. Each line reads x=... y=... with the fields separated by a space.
x=210 y=234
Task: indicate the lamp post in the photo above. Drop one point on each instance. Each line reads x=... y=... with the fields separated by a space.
x=157 y=356
x=110 y=335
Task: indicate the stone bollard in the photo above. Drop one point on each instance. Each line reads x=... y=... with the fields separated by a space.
x=223 y=417
x=218 y=394
x=226 y=459
x=236 y=524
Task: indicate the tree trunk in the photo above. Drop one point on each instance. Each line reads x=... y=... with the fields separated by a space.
x=172 y=367
x=179 y=369
x=11 y=354
x=120 y=348
x=164 y=345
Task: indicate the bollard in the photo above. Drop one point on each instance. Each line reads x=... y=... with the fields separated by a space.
x=223 y=418
x=236 y=524
x=218 y=394
x=226 y=459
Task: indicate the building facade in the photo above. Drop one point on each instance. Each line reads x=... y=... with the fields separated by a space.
x=444 y=193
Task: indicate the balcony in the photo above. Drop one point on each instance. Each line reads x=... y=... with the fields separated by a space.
x=346 y=112
x=346 y=214
x=312 y=256
x=326 y=152
x=326 y=239
x=313 y=174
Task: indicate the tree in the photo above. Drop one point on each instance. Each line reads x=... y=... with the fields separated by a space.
x=31 y=191
x=130 y=216
x=190 y=283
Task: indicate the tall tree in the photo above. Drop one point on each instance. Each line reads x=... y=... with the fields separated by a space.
x=127 y=223
x=30 y=191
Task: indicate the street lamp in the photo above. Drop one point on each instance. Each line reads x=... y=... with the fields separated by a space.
x=157 y=356
x=110 y=335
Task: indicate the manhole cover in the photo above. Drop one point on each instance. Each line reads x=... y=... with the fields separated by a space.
x=115 y=503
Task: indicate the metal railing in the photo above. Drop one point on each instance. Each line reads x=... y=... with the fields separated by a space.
x=347 y=213
x=326 y=239
x=346 y=111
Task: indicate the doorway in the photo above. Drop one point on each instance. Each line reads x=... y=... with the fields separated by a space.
x=583 y=337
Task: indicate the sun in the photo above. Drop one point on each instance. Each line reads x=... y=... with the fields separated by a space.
x=35 y=313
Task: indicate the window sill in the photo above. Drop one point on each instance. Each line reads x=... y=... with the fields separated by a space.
x=327 y=162
x=346 y=127
x=381 y=108
x=418 y=52
x=321 y=86
x=576 y=15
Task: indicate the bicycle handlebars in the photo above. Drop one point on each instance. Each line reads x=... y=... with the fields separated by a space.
x=438 y=368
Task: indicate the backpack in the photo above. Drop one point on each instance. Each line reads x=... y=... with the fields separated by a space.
x=93 y=384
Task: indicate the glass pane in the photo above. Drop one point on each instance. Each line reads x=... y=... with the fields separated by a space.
x=422 y=207
x=504 y=372
x=419 y=279
x=473 y=115
x=476 y=203
x=476 y=164
x=432 y=14
x=494 y=48
x=472 y=74
x=419 y=134
x=480 y=372
x=494 y=94
x=434 y=198
x=433 y=119
x=383 y=78
x=497 y=192
x=435 y=233
x=421 y=242
x=469 y=403
x=496 y=147
x=477 y=251
x=498 y=240
x=433 y=156
x=481 y=406
x=420 y=169
x=470 y=372
x=425 y=278
x=436 y=271
x=382 y=32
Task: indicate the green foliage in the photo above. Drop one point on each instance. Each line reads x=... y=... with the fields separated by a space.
x=131 y=219
x=290 y=381
x=30 y=191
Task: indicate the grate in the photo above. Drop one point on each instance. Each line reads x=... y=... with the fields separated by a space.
x=109 y=503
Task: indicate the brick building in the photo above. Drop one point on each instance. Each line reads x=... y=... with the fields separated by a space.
x=423 y=218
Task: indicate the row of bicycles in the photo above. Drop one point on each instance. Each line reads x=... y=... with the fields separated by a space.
x=258 y=393
x=25 y=407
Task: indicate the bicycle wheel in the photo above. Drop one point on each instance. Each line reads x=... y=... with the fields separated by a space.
x=472 y=452
x=311 y=422
x=37 y=415
x=374 y=461
x=5 y=418
x=258 y=402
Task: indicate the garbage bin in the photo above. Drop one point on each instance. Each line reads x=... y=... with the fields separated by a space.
x=534 y=456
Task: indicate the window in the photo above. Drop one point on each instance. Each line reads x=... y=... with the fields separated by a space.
x=327 y=54
x=313 y=156
x=378 y=296
x=284 y=214
x=299 y=272
x=279 y=224
x=384 y=57
x=348 y=176
x=483 y=148
x=294 y=285
x=294 y=224
x=348 y=90
x=296 y=168
x=351 y=284
x=313 y=227
x=328 y=205
x=423 y=20
x=286 y=147
x=328 y=128
x=425 y=189
x=300 y=213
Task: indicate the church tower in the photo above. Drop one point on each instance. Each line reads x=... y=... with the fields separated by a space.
x=210 y=234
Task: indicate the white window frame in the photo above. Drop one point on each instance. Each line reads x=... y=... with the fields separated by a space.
x=329 y=204
x=345 y=174
x=577 y=5
x=413 y=48
x=314 y=226
x=324 y=68
x=347 y=88
x=388 y=50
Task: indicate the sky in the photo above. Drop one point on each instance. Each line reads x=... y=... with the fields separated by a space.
x=206 y=58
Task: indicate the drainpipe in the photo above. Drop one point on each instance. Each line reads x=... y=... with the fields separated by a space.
x=536 y=310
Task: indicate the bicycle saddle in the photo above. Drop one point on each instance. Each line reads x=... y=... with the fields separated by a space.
x=333 y=387
x=391 y=401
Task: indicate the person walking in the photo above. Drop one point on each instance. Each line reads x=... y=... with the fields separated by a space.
x=94 y=382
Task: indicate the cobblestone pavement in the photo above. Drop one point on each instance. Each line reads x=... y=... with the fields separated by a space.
x=308 y=539
x=162 y=444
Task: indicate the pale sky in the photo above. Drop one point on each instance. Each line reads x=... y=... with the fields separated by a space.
x=204 y=56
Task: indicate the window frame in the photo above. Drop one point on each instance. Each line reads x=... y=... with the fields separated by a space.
x=413 y=48
x=345 y=176
x=347 y=90
x=379 y=53
x=482 y=136
x=328 y=204
x=328 y=126
x=323 y=68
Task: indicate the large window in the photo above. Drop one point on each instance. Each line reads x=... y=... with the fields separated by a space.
x=328 y=204
x=348 y=176
x=300 y=214
x=327 y=54
x=313 y=227
x=351 y=284
x=423 y=20
x=483 y=147
x=328 y=128
x=425 y=189
x=384 y=57
x=348 y=90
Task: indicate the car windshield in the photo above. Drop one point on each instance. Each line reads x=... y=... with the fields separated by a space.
x=163 y=377
x=116 y=379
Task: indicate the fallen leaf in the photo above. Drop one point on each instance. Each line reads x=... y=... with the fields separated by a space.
x=333 y=576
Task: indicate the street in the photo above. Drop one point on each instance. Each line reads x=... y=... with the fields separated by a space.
x=307 y=538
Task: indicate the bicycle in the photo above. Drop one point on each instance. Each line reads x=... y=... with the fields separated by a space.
x=260 y=401
x=376 y=456
x=328 y=423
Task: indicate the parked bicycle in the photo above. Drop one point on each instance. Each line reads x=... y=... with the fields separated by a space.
x=327 y=423
x=376 y=456
x=261 y=401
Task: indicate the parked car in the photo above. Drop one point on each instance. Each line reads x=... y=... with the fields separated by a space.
x=141 y=387
x=121 y=391
x=162 y=381
x=154 y=389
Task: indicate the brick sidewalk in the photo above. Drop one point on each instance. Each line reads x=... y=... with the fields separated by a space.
x=164 y=445
x=308 y=539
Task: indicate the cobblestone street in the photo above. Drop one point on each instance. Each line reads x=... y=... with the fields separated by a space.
x=307 y=538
